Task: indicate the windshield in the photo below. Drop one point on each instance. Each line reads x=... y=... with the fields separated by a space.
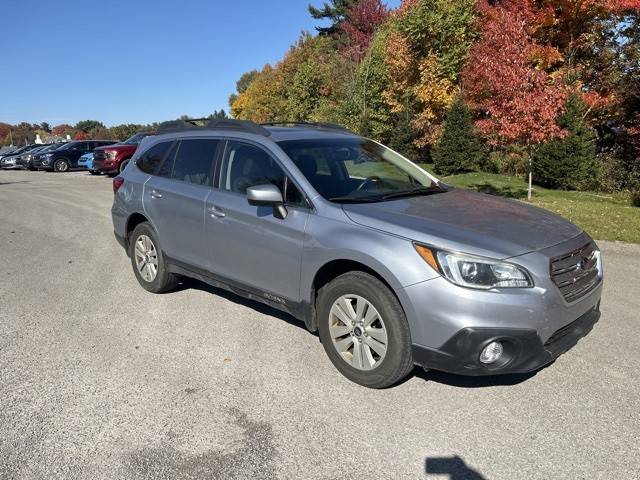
x=53 y=146
x=137 y=138
x=358 y=170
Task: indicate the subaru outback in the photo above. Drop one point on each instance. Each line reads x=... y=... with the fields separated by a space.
x=391 y=266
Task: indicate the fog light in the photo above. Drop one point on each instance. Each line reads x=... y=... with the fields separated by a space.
x=491 y=352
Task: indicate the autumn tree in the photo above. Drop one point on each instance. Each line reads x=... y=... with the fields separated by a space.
x=361 y=22
x=263 y=100
x=242 y=84
x=81 y=135
x=5 y=129
x=424 y=55
x=100 y=133
x=516 y=102
x=61 y=130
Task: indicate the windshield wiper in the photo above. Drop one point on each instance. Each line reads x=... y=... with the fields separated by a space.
x=413 y=192
x=349 y=199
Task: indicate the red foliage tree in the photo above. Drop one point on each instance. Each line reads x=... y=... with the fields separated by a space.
x=61 y=129
x=5 y=128
x=360 y=25
x=81 y=136
x=516 y=101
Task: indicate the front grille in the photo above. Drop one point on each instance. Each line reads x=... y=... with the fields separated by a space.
x=576 y=273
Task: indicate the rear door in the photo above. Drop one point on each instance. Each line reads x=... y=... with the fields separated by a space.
x=174 y=199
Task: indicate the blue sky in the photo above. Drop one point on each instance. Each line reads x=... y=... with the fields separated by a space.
x=136 y=61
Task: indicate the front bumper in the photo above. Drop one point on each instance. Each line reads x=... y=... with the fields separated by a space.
x=524 y=350
x=42 y=164
x=105 y=166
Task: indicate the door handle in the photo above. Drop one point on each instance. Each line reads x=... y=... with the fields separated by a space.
x=155 y=194
x=216 y=212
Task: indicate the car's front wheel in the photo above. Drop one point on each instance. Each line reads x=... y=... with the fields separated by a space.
x=61 y=165
x=147 y=259
x=364 y=330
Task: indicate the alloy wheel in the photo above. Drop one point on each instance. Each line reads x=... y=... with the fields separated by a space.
x=61 y=166
x=358 y=332
x=146 y=258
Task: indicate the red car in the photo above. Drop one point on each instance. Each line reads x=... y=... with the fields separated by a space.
x=114 y=158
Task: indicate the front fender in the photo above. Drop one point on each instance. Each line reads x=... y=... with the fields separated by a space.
x=392 y=257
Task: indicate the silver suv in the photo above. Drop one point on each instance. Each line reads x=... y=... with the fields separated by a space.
x=392 y=267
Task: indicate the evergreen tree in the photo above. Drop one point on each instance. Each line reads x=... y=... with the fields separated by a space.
x=569 y=163
x=336 y=12
x=458 y=149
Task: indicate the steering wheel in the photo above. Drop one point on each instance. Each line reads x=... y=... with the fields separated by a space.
x=368 y=180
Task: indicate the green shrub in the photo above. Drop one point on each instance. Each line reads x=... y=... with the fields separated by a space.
x=569 y=163
x=458 y=149
x=512 y=160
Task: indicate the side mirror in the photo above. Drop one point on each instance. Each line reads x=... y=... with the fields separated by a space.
x=267 y=195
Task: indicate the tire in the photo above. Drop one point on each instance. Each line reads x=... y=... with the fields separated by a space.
x=61 y=165
x=390 y=325
x=94 y=172
x=31 y=169
x=123 y=165
x=163 y=280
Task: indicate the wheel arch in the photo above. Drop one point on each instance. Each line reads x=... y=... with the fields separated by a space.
x=133 y=221
x=333 y=268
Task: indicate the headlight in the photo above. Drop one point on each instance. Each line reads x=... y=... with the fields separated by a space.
x=112 y=154
x=475 y=272
x=48 y=155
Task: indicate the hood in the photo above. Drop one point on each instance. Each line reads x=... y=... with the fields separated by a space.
x=120 y=147
x=466 y=221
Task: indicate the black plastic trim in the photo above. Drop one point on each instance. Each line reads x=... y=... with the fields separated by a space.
x=299 y=310
x=524 y=350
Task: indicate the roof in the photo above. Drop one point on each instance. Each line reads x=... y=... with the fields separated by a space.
x=280 y=134
x=277 y=131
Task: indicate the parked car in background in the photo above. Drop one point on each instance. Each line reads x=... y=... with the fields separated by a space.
x=114 y=158
x=5 y=151
x=85 y=162
x=10 y=161
x=66 y=157
x=28 y=158
x=392 y=267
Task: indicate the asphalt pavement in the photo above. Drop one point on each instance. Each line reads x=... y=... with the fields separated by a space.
x=100 y=379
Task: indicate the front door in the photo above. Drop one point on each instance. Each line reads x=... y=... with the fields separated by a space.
x=248 y=244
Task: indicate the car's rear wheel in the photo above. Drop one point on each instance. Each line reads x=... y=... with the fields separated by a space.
x=147 y=259
x=364 y=330
x=123 y=165
x=61 y=165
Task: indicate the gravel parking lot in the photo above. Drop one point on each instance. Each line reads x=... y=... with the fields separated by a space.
x=101 y=379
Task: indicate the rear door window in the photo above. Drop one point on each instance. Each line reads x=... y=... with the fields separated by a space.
x=151 y=160
x=193 y=161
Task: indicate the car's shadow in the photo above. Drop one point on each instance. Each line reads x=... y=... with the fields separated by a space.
x=463 y=381
x=452 y=380
x=187 y=283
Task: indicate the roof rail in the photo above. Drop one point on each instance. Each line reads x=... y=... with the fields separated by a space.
x=329 y=126
x=217 y=124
